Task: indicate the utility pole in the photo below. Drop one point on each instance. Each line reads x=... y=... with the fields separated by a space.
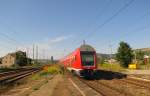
x=52 y=59
x=33 y=54
x=36 y=53
x=16 y=48
x=47 y=59
x=110 y=47
x=135 y=57
x=64 y=51
x=43 y=53
x=27 y=55
x=83 y=42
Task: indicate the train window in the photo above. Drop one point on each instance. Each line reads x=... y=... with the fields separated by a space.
x=87 y=59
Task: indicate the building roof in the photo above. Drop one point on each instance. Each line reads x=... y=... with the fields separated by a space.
x=86 y=47
x=14 y=53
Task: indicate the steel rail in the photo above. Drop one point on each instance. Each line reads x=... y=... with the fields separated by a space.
x=7 y=77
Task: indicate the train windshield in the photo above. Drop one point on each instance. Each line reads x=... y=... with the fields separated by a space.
x=87 y=59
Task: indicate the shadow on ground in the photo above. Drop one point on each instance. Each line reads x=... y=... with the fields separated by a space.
x=106 y=75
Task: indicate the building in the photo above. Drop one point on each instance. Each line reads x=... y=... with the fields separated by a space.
x=1 y=60
x=15 y=59
x=9 y=60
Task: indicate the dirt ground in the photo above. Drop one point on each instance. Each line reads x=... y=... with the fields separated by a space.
x=58 y=86
x=26 y=86
x=65 y=88
x=71 y=86
x=47 y=89
x=61 y=85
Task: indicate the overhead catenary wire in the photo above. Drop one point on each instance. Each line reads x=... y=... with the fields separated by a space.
x=9 y=27
x=103 y=10
x=9 y=42
x=109 y=19
x=105 y=22
x=106 y=6
x=137 y=29
x=129 y=34
x=9 y=38
x=37 y=57
x=13 y=31
x=4 y=45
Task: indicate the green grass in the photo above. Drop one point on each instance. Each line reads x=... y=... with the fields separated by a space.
x=118 y=68
x=53 y=70
x=45 y=74
x=40 y=75
x=5 y=69
x=112 y=67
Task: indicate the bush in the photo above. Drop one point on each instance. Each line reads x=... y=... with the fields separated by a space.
x=53 y=70
x=112 y=67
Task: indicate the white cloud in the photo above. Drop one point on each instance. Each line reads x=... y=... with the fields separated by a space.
x=60 y=39
x=47 y=45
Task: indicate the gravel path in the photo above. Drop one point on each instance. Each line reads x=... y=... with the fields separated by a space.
x=65 y=88
x=47 y=89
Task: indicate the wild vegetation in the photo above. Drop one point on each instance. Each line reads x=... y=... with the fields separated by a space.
x=48 y=70
x=112 y=67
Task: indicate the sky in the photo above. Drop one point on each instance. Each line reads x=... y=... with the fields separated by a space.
x=58 y=27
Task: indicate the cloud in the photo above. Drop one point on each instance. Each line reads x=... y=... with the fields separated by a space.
x=47 y=45
x=60 y=39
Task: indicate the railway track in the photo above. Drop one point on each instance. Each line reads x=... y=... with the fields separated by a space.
x=108 y=89
x=117 y=87
x=136 y=82
x=10 y=76
x=104 y=89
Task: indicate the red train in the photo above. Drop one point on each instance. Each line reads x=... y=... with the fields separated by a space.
x=82 y=61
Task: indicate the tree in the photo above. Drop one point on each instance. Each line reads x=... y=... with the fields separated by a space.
x=21 y=58
x=124 y=54
x=1 y=60
x=100 y=60
x=139 y=55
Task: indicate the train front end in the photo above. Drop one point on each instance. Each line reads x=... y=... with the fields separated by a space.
x=88 y=60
